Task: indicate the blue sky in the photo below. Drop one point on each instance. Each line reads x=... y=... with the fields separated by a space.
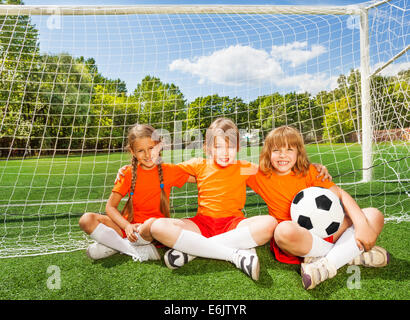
x=243 y=56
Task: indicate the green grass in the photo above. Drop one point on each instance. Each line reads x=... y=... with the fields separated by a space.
x=118 y=277
x=55 y=192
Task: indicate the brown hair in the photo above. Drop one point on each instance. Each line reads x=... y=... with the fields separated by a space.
x=221 y=126
x=139 y=131
x=282 y=137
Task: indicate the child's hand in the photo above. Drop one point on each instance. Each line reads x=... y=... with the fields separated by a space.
x=323 y=172
x=365 y=237
x=120 y=173
x=129 y=231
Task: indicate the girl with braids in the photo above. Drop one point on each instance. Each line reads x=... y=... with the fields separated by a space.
x=148 y=183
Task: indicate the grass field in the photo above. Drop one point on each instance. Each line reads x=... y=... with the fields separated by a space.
x=43 y=198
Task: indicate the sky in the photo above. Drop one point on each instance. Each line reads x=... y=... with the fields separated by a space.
x=238 y=56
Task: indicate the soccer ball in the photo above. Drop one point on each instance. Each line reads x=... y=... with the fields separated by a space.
x=319 y=210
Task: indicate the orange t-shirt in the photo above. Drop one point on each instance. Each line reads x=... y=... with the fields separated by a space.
x=147 y=192
x=278 y=191
x=221 y=191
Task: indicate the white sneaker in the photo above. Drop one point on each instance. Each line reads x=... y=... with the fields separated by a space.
x=376 y=257
x=175 y=259
x=144 y=253
x=311 y=259
x=98 y=251
x=248 y=262
x=316 y=272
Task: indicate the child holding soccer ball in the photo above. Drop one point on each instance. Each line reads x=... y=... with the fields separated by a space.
x=148 y=183
x=284 y=170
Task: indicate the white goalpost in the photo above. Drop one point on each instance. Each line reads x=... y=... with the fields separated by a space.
x=73 y=79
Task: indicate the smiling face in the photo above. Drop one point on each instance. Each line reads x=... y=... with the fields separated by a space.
x=223 y=152
x=146 y=151
x=283 y=159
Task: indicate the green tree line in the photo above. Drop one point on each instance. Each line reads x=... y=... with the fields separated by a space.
x=57 y=103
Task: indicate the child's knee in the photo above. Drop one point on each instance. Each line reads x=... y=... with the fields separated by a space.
x=285 y=232
x=270 y=225
x=375 y=218
x=158 y=226
x=85 y=220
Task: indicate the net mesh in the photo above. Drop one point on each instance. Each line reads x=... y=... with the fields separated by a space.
x=72 y=85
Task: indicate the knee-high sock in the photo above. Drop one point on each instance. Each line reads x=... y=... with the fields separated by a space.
x=109 y=237
x=196 y=244
x=319 y=248
x=345 y=249
x=239 y=238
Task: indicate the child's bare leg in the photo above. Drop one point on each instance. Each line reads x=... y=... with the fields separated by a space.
x=261 y=228
x=89 y=221
x=375 y=219
x=167 y=230
x=145 y=229
x=292 y=238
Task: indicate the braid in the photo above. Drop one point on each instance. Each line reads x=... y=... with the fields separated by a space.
x=129 y=207
x=164 y=203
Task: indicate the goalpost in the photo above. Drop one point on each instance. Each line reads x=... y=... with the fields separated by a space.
x=73 y=79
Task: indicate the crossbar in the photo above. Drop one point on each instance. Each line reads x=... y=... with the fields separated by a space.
x=175 y=9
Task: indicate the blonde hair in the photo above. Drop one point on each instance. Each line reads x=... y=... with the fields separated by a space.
x=221 y=127
x=282 y=137
x=136 y=132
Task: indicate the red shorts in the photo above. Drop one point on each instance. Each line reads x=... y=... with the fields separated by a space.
x=284 y=257
x=210 y=227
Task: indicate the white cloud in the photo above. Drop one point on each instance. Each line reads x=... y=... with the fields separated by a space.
x=243 y=65
x=296 y=52
x=235 y=65
x=392 y=69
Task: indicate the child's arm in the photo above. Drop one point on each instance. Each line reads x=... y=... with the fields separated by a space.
x=323 y=172
x=365 y=236
x=112 y=211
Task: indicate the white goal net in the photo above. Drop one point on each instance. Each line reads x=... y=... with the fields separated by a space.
x=74 y=79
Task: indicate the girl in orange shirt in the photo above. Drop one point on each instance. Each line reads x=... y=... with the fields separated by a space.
x=219 y=230
x=148 y=182
x=284 y=170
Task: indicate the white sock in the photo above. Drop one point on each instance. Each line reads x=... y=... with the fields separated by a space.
x=140 y=240
x=345 y=249
x=239 y=238
x=196 y=244
x=319 y=248
x=109 y=237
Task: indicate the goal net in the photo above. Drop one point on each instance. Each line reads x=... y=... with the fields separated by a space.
x=74 y=79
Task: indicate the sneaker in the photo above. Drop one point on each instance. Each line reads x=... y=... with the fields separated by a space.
x=376 y=257
x=248 y=262
x=175 y=259
x=144 y=253
x=316 y=272
x=98 y=251
x=311 y=259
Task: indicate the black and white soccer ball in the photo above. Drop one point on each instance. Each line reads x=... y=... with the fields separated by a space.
x=319 y=210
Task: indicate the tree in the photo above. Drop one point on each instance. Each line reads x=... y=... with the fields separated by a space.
x=161 y=104
x=19 y=82
x=339 y=121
